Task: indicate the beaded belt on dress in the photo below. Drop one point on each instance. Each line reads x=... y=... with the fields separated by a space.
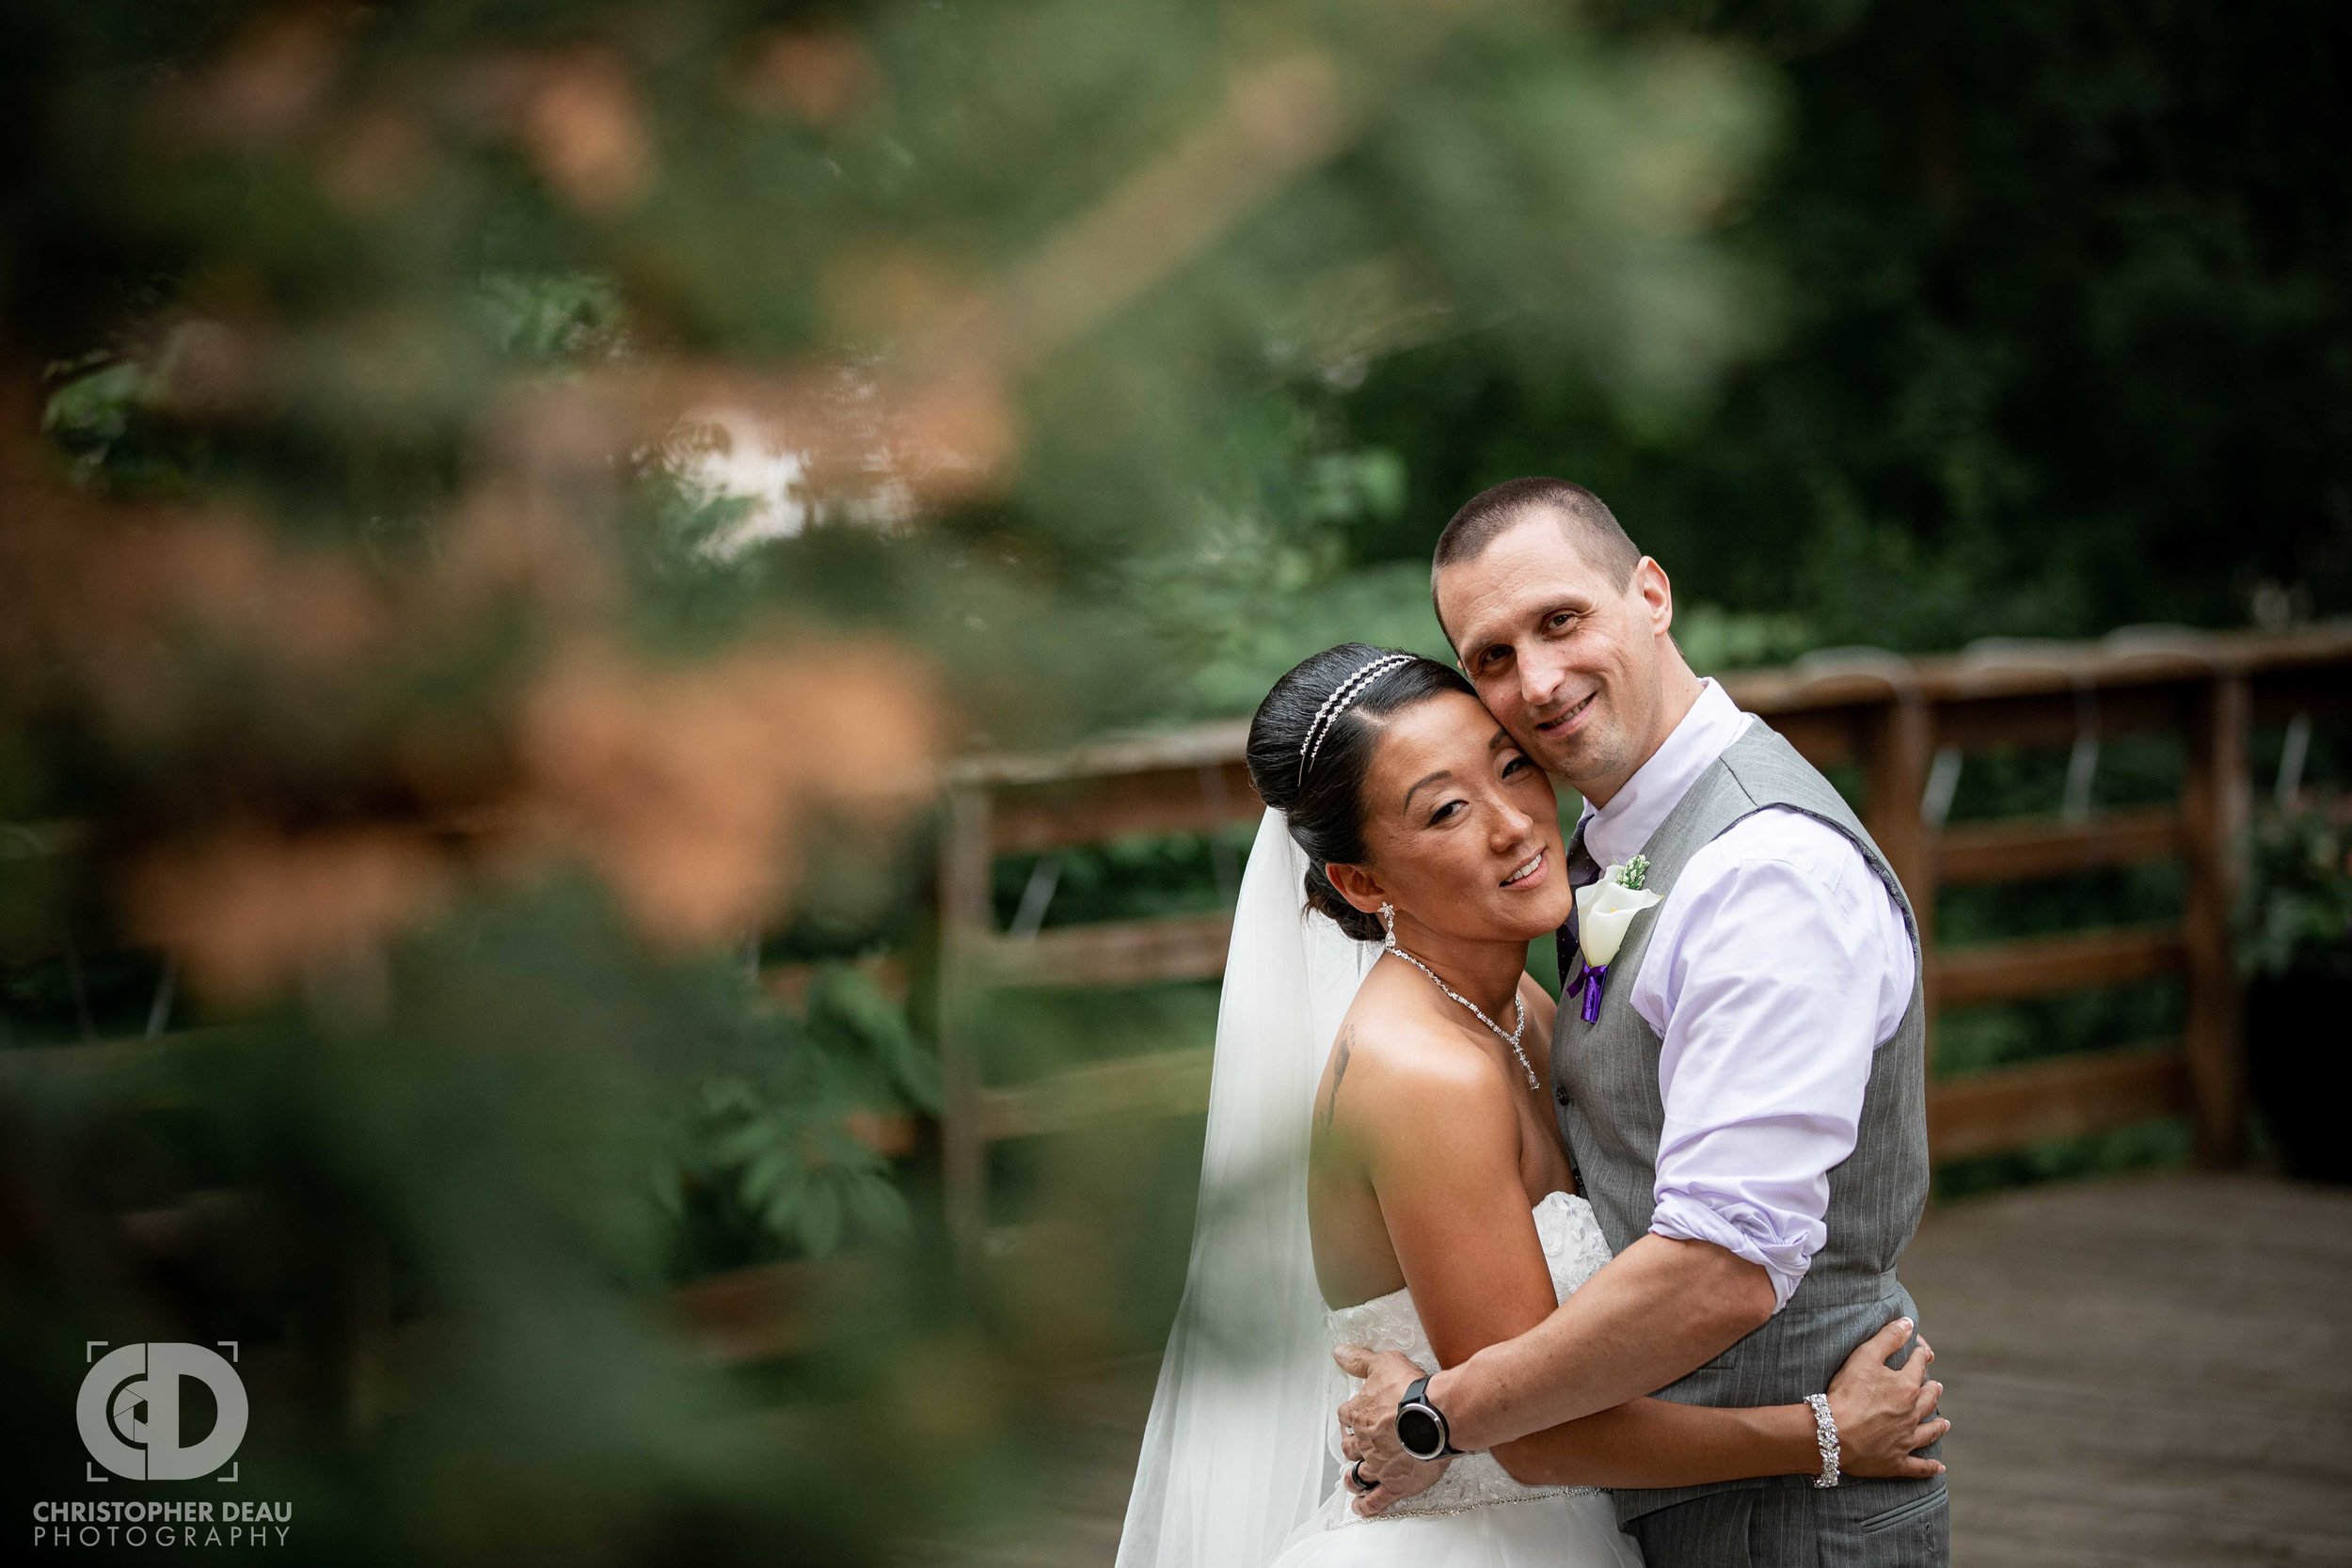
x=1405 y=1511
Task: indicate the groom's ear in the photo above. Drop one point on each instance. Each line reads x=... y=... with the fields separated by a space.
x=1360 y=887
x=1658 y=594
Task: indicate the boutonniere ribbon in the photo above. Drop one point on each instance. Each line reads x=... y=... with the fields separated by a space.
x=1604 y=908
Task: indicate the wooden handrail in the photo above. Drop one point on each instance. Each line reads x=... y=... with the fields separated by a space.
x=1166 y=1083
x=2046 y=966
x=1888 y=714
x=2063 y=1097
x=1114 y=953
x=2023 y=850
x=2122 y=662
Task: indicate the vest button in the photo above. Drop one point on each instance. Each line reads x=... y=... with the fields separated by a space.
x=1560 y=1095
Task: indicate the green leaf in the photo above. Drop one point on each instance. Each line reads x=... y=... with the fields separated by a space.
x=96 y=407
x=766 y=1175
x=669 y=1192
x=785 y=1205
x=820 y=1220
x=879 y=1206
x=747 y=1141
x=847 y=999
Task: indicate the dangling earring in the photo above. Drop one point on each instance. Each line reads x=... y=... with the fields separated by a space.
x=1388 y=922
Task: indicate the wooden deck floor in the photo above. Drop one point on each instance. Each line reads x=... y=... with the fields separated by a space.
x=2153 y=1371
x=2150 y=1371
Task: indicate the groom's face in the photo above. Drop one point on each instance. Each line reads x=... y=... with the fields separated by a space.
x=1565 y=654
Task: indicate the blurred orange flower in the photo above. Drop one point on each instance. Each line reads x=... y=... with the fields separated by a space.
x=581 y=123
x=691 y=790
x=252 y=907
x=820 y=74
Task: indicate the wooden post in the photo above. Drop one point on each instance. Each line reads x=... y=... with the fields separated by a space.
x=2214 y=805
x=965 y=860
x=1900 y=750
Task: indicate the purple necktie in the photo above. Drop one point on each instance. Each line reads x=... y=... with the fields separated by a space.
x=1583 y=871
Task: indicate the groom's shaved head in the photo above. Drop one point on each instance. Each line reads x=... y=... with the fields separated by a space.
x=1581 y=515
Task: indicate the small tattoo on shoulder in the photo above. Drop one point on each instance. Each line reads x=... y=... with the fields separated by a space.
x=1341 y=1050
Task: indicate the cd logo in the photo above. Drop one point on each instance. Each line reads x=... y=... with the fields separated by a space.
x=129 y=1412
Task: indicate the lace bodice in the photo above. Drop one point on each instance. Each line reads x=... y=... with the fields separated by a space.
x=1575 y=1248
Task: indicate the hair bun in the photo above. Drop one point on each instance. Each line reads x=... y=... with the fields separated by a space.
x=1325 y=899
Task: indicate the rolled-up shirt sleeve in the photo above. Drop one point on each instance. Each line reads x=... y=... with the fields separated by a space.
x=1775 y=969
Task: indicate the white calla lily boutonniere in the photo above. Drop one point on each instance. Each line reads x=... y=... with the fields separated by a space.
x=1604 y=909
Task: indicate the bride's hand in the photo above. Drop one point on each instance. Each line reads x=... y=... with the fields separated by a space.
x=1884 y=1414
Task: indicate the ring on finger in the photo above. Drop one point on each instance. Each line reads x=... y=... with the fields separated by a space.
x=1355 y=1478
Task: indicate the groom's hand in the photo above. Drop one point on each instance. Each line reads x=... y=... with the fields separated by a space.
x=1368 y=1429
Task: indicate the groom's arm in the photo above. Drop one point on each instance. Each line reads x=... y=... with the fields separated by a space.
x=1661 y=1308
x=1769 y=978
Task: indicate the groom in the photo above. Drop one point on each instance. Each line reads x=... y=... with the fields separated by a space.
x=1745 y=1111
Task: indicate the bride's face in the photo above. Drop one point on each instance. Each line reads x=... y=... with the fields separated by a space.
x=1461 y=830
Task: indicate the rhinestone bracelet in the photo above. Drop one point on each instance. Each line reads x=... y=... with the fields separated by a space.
x=1825 y=1433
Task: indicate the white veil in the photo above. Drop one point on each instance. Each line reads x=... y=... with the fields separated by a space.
x=1237 y=1453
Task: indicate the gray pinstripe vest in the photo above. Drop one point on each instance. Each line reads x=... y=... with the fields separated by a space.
x=1606 y=1074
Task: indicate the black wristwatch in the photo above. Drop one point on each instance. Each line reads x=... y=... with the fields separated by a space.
x=1421 y=1426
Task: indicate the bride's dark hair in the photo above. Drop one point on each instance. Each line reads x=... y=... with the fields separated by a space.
x=1325 y=798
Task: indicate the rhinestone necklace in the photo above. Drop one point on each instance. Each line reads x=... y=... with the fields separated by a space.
x=1509 y=1037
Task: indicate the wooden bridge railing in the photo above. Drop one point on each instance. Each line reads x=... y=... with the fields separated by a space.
x=1907 y=725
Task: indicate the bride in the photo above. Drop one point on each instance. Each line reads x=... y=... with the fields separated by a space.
x=1381 y=1136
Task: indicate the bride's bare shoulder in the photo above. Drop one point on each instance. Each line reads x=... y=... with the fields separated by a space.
x=1393 y=1069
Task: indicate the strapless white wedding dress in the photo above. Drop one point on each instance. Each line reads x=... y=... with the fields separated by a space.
x=1475 y=1516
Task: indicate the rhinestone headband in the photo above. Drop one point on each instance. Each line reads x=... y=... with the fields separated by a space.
x=1337 y=704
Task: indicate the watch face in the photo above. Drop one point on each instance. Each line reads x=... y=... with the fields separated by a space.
x=1417 y=1429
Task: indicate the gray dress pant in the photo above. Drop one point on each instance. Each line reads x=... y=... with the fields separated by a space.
x=1797 y=1526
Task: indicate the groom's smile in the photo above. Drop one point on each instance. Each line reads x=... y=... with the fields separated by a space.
x=1561 y=724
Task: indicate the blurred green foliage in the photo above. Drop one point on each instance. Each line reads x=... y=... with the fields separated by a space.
x=522 y=493
x=2052 y=336
x=2062 y=300
x=2298 y=913
x=519 y=486
x=767 y=1155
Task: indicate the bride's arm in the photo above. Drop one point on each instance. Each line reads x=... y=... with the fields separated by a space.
x=1441 y=1134
x=1884 y=1414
